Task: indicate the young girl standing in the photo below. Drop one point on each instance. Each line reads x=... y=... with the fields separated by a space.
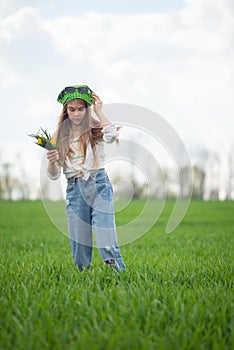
x=89 y=195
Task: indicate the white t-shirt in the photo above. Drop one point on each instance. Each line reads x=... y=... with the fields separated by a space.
x=74 y=166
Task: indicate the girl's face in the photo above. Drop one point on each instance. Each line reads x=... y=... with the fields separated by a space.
x=76 y=111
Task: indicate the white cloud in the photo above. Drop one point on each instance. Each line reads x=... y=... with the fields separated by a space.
x=9 y=78
x=39 y=108
x=9 y=7
x=18 y=24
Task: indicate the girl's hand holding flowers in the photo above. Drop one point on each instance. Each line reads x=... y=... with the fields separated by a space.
x=53 y=156
x=45 y=140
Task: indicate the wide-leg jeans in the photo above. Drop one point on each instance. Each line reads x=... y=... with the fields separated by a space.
x=90 y=208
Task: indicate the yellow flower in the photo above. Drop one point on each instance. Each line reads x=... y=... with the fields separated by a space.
x=39 y=141
x=52 y=141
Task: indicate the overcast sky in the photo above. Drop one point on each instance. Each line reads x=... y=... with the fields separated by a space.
x=175 y=57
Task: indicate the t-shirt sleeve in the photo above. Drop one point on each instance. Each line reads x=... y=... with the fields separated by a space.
x=110 y=134
x=53 y=177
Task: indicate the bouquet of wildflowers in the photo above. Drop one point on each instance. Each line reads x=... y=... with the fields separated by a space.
x=45 y=140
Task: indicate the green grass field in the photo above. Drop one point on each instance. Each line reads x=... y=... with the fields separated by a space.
x=177 y=292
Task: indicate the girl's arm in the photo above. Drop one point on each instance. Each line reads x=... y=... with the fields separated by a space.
x=53 y=170
x=109 y=131
x=97 y=107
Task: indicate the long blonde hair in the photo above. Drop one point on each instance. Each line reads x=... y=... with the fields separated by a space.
x=91 y=133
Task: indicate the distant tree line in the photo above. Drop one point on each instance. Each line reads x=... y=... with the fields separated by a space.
x=213 y=178
x=12 y=186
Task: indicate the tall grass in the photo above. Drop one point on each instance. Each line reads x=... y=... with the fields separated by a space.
x=177 y=292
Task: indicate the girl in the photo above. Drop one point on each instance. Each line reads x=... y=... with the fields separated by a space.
x=89 y=195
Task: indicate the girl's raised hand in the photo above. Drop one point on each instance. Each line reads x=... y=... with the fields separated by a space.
x=97 y=103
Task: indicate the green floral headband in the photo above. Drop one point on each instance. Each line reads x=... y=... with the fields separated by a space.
x=76 y=91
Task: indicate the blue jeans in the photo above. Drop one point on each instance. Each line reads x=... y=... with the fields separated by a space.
x=89 y=205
